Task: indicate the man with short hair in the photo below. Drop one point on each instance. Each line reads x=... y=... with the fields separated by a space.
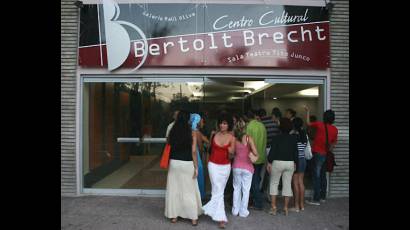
x=271 y=123
x=290 y=113
x=319 y=151
x=257 y=131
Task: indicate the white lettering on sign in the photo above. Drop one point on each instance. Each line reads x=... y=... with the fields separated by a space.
x=248 y=35
x=182 y=42
x=161 y=18
x=154 y=49
x=262 y=35
x=262 y=19
x=318 y=30
x=137 y=49
x=303 y=32
x=286 y=19
x=201 y=42
x=225 y=38
x=235 y=58
x=213 y=46
x=249 y=40
x=267 y=18
x=166 y=44
x=290 y=33
x=278 y=37
x=268 y=53
x=230 y=24
x=300 y=56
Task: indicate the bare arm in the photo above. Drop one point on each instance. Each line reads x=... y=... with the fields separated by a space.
x=194 y=155
x=205 y=140
x=201 y=145
x=231 y=147
x=253 y=147
x=307 y=115
x=199 y=141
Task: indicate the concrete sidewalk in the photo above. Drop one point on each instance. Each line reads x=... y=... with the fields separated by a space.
x=126 y=213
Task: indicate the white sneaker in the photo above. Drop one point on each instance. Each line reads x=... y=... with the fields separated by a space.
x=313 y=203
x=322 y=200
x=234 y=212
x=244 y=214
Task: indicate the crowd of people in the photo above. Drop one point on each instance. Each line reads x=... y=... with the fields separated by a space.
x=259 y=150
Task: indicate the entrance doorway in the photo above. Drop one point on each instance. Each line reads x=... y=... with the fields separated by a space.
x=124 y=120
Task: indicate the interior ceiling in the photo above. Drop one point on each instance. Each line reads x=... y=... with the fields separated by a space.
x=284 y=90
x=222 y=89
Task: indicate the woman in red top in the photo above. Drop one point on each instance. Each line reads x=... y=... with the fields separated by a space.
x=219 y=168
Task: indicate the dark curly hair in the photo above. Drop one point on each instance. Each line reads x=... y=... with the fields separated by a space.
x=225 y=116
x=181 y=134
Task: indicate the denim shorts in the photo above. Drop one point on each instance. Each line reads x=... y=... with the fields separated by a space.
x=301 y=165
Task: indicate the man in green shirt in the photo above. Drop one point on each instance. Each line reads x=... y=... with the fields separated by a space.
x=257 y=131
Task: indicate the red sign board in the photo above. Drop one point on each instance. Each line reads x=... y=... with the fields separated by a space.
x=240 y=43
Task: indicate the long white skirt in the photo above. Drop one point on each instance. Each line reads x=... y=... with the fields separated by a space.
x=182 y=197
x=218 y=175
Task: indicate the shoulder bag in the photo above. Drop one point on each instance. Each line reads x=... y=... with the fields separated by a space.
x=164 y=163
x=308 y=150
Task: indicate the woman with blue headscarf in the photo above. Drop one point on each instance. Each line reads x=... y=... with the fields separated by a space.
x=195 y=119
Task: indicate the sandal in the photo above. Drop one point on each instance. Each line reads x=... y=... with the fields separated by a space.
x=222 y=225
x=272 y=211
x=286 y=212
x=194 y=222
x=174 y=220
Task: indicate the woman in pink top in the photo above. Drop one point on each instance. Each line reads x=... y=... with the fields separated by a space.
x=242 y=168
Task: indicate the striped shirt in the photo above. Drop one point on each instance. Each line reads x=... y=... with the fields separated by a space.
x=301 y=149
x=301 y=146
x=272 y=128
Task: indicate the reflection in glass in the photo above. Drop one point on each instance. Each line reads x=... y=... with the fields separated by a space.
x=143 y=110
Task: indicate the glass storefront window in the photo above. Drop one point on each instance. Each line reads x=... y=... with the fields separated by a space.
x=122 y=110
x=141 y=111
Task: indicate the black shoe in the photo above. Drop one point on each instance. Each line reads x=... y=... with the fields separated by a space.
x=256 y=208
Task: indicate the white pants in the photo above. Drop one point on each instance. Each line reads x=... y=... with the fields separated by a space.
x=242 y=180
x=218 y=175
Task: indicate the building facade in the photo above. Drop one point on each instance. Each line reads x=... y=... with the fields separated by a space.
x=90 y=163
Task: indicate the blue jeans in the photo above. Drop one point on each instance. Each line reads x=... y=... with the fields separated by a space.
x=319 y=177
x=257 y=195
